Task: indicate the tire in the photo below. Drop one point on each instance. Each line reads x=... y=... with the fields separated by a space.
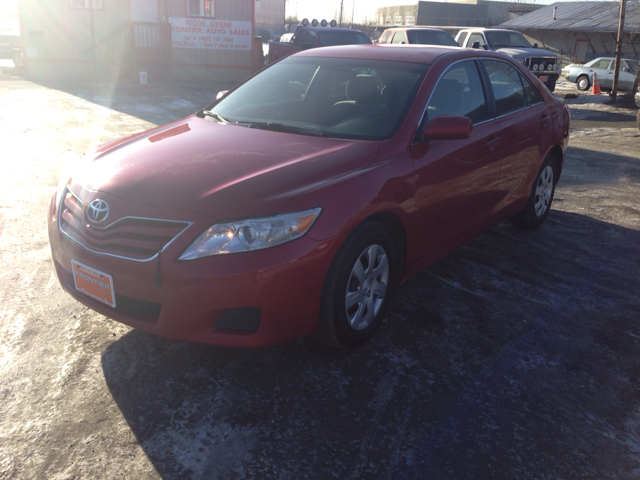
x=583 y=83
x=551 y=86
x=356 y=292
x=541 y=197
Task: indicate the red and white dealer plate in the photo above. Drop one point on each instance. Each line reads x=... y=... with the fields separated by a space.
x=93 y=283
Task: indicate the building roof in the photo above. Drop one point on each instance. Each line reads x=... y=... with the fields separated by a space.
x=580 y=16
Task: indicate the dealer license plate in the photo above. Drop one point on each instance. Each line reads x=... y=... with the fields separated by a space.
x=93 y=283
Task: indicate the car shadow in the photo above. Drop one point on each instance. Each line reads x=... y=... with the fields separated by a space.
x=515 y=356
x=158 y=104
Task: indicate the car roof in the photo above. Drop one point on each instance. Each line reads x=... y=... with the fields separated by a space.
x=399 y=53
x=405 y=29
x=330 y=29
x=488 y=29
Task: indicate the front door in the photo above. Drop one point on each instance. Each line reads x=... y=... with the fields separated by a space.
x=456 y=180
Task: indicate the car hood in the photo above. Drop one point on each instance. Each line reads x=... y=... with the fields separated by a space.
x=527 y=52
x=220 y=170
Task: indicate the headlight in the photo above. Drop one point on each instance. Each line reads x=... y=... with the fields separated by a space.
x=251 y=234
x=535 y=67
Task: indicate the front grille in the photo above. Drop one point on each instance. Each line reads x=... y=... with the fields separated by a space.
x=134 y=238
x=543 y=63
x=141 y=310
x=239 y=320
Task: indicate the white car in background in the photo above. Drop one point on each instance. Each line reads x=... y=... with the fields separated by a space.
x=582 y=75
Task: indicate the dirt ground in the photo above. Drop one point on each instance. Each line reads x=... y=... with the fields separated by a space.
x=516 y=357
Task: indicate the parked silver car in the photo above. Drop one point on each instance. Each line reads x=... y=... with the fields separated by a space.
x=582 y=75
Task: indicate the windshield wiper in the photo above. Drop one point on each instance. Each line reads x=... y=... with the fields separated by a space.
x=209 y=113
x=280 y=127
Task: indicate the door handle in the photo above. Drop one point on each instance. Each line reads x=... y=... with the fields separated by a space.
x=492 y=142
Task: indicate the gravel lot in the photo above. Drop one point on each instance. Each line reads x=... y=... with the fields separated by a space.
x=517 y=356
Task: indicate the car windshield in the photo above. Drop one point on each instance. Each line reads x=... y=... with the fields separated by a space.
x=331 y=97
x=427 y=37
x=329 y=38
x=507 y=39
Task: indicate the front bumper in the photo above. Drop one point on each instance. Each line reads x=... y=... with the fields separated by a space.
x=284 y=283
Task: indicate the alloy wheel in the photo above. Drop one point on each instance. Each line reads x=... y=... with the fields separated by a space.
x=544 y=191
x=367 y=287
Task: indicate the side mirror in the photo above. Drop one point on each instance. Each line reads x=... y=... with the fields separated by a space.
x=287 y=28
x=626 y=70
x=535 y=45
x=221 y=94
x=485 y=47
x=448 y=127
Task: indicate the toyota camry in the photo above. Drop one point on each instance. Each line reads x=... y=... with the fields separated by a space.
x=297 y=202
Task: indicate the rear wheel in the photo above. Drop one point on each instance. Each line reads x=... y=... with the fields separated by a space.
x=540 y=199
x=583 y=83
x=356 y=293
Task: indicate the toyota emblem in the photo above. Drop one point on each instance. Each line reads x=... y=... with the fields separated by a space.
x=97 y=211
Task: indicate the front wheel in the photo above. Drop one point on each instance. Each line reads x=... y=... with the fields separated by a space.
x=583 y=83
x=358 y=286
x=540 y=199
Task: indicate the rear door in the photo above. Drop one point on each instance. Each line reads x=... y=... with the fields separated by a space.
x=524 y=124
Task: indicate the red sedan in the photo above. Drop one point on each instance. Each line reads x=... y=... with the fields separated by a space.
x=296 y=203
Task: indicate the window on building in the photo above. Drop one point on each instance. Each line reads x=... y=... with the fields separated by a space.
x=94 y=4
x=200 y=8
x=410 y=20
x=387 y=21
x=398 y=20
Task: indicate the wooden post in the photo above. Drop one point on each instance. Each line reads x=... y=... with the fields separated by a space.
x=616 y=72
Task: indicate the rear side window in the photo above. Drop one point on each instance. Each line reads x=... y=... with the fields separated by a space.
x=463 y=37
x=459 y=92
x=530 y=93
x=603 y=64
x=400 y=37
x=429 y=37
x=506 y=85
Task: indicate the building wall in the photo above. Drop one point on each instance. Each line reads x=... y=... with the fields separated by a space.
x=209 y=64
x=270 y=14
x=61 y=43
x=468 y=14
x=57 y=39
x=600 y=44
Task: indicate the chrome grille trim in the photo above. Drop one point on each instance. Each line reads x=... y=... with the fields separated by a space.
x=113 y=255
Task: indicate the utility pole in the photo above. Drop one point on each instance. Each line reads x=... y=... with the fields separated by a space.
x=616 y=72
x=341 y=10
x=353 y=12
